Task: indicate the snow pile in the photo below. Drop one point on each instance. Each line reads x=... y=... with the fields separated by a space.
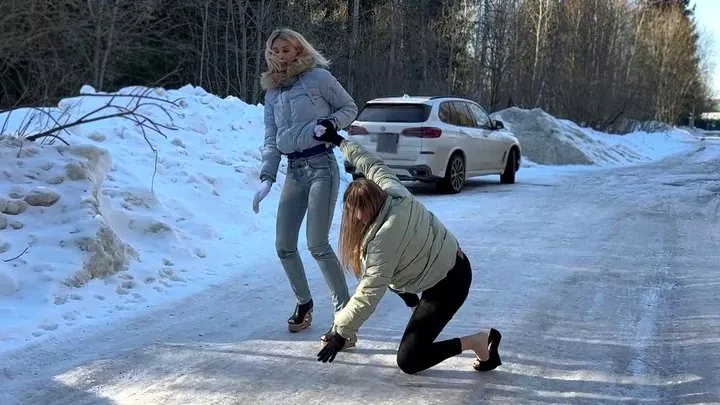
x=550 y=141
x=99 y=236
x=627 y=126
x=38 y=178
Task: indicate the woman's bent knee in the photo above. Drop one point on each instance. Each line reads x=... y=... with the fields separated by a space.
x=406 y=364
x=407 y=357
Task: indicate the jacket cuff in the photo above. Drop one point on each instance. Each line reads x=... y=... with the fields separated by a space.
x=334 y=121
x=345 y=333
x=338 y=140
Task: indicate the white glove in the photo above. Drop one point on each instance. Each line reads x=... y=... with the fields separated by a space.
x=319 y=130
x=262 y=192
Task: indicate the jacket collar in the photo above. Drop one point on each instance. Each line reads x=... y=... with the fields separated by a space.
x=274 y=80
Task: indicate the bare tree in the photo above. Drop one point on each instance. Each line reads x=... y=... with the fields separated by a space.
x=594 y=61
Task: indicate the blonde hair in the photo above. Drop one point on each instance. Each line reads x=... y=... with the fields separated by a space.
x=304 y=48
x=365 y=198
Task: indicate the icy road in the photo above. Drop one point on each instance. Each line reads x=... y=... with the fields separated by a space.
x=604 y=282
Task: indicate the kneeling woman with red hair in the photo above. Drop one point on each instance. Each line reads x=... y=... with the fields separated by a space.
x=389 y=240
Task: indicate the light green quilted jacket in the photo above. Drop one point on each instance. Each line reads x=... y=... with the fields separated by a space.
x=407 y=248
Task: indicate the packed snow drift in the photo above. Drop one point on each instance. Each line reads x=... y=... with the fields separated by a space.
x=547 y=140
x=103 y=227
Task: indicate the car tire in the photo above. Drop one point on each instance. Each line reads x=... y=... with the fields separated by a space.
x=454 y=180
x=508 y=176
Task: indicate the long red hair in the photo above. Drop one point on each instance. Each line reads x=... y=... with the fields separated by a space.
x=362 y=202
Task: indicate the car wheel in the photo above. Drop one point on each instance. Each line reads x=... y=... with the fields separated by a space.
x=508 y=176
x=454 y=180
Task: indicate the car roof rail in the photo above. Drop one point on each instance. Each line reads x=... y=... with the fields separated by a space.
x=445 y=96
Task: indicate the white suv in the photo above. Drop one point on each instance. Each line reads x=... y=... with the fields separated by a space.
x=436 y=139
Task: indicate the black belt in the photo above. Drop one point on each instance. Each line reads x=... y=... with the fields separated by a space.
x=314 y=151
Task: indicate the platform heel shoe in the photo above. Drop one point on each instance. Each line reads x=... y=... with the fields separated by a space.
x=494 y=361
x=301 y=318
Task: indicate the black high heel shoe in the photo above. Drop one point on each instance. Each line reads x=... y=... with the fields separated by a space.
x=494 y=361
x=301 y=318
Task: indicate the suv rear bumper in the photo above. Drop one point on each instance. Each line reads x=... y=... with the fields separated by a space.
x=405 y=172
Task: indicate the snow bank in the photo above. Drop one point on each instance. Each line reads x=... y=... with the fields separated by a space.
x=627 y=126
x=102 y=239
x=52 y=205
x=547 y=140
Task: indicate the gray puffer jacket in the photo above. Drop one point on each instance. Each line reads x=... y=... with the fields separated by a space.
x=291 y=113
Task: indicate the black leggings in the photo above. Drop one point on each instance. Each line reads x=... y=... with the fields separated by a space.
x=418 y=350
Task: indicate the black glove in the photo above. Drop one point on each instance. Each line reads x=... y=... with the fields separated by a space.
x=335 y=343
x=331 y=135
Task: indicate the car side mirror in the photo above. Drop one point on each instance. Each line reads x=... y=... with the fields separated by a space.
x=498 y=125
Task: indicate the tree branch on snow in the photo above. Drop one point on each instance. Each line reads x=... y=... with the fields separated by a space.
x=142 y=95
x=142 y=127
x=18 y=256
x=123 y=112
x=30 y=116
x=132 y=111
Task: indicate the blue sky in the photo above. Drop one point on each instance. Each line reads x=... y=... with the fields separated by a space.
x=707 y=15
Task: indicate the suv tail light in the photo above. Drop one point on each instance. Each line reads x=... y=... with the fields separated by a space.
x=422 y=132
x=356 y=130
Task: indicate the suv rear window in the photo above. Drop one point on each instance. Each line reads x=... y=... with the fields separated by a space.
x=385 y=112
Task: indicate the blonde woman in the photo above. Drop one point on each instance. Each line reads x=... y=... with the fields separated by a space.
x=301 y=94
x=390 y=241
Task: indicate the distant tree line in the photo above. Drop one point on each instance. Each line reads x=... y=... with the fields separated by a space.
x=595 y=62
